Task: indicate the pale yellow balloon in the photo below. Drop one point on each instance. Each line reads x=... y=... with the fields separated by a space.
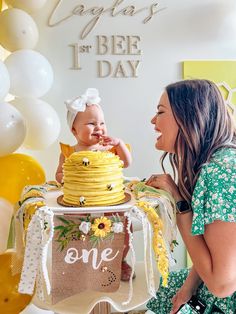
x=6 y=212
x=17 y=171
x=26 y=5
x=17 y=30
x=11 y=301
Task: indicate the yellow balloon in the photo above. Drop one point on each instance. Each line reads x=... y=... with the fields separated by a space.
x=0 y=5
x=11 y=301
x=17 y=171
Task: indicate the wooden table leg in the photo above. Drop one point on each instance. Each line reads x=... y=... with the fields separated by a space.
x=102 y=308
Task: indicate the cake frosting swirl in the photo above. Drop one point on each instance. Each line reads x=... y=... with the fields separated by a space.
x=93 y=178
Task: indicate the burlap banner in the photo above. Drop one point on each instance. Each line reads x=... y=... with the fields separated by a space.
x=86 y=254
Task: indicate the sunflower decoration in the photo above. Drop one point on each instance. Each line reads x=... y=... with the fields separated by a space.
x=31 y=200
x=29 y=211
x=101 y=227
x=94 y=229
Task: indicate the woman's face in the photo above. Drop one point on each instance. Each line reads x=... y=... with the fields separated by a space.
x=165 y=125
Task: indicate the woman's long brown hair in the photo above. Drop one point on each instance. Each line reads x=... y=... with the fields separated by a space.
x=205 y=125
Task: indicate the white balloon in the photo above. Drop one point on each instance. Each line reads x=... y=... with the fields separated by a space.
x=6 y=212
x=42 y=122
x=17 y=30
x=31 y=74
x=26 y=5
x=12 y=129
x=4 y=81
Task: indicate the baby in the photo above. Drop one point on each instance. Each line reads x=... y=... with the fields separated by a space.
x=86 y=121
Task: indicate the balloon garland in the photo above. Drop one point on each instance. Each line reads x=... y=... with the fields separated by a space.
x=27 y=75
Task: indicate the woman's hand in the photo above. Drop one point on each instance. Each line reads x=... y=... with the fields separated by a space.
x=166 y=183
x=182 y=296
x=188 y=288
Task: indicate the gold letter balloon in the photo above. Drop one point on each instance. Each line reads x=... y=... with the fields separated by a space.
x=17 y=171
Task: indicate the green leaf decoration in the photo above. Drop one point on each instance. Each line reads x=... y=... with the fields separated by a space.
x=69 y=231
x=59 y=228
x=110 y=236
x=63 y=220
x=94 y=240
x=115 y=218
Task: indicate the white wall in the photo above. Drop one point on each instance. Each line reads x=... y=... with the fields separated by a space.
x=186 y=29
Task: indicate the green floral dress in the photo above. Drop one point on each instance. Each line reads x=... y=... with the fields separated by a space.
x=214 y=198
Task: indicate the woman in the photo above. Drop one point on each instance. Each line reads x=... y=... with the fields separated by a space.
x=195 y=129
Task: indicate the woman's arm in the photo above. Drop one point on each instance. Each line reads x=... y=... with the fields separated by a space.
x=193 y=280
x=186 y=291
x=214 y=253
x=59 y=173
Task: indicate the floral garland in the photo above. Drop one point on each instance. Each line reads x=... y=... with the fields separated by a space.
x=158 y=242
x=96 y=229
x=32 y=199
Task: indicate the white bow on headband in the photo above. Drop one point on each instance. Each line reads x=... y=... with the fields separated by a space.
x=91 y=97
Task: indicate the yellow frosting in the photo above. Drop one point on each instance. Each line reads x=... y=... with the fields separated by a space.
x=93 y=179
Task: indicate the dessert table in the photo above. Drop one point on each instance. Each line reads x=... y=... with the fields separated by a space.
x=128 y=296
x=71 y=269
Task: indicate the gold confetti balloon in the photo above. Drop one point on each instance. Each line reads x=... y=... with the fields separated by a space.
x=11 y=301
x=17 y=171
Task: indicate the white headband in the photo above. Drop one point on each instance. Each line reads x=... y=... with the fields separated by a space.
x=78 y=104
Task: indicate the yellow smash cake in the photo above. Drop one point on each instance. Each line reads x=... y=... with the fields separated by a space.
x=93 y=178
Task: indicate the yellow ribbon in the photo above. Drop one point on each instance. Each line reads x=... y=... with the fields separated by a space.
x=158 y=242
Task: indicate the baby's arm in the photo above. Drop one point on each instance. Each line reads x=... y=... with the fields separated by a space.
x=124 y=153
x=59 y=173
x=121 y=149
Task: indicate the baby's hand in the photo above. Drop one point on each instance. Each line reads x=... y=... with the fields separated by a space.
x=107 y=140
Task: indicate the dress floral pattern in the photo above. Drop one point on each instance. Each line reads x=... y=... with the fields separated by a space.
x=214 y=198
